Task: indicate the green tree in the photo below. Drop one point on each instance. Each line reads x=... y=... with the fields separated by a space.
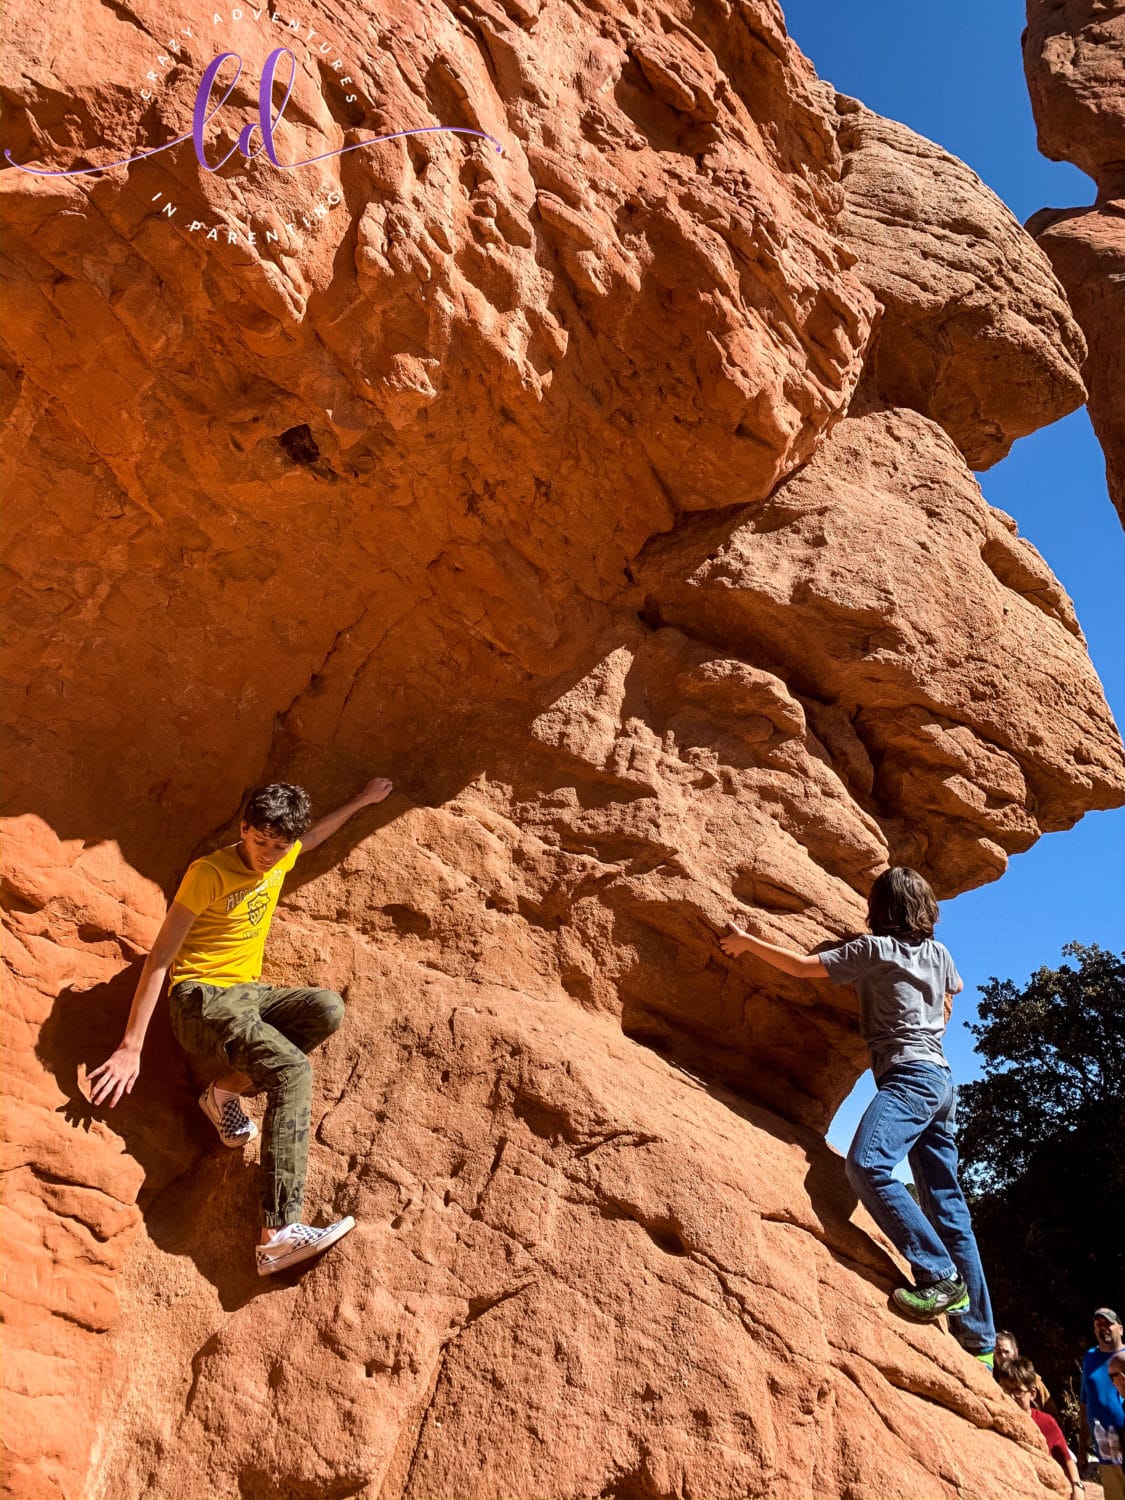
x=1042 y=1141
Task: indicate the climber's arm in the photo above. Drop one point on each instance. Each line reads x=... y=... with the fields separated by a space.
x=117 y=1075
x=799 y=965
x=324 y=828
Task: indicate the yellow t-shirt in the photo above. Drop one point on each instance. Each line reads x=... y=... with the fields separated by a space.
x=233 y=907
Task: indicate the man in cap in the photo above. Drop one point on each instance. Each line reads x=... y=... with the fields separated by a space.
x=1103 y=1411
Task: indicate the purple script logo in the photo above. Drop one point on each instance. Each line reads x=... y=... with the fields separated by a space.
x=266 y=123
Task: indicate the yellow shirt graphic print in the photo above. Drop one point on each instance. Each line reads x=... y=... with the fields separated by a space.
x=233 y=907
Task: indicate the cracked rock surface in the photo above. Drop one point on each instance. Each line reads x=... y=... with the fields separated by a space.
x=581 y=491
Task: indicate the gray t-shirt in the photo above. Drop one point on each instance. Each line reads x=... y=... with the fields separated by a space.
x=902 y=988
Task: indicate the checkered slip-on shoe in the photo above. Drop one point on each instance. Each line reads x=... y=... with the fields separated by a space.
x=234 y=1125
x=298 y=1242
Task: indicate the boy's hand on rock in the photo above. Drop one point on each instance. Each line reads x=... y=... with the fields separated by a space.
x=377 y=790
x=735 y=941
x=115 y=1077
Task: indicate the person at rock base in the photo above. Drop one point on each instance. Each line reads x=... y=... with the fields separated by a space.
x=1007 y=1349
x=1103 y=1409
x=212 y=940
x=906 y=983
x=1017 y=1376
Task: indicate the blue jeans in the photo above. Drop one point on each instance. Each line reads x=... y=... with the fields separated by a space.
x=913 y=1115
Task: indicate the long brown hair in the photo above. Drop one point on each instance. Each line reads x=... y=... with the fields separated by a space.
x=902 y=905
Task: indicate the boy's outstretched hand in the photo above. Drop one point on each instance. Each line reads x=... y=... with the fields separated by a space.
x=376 y=791
x=735 y=941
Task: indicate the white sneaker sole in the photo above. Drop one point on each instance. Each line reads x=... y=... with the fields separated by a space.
x=235 y=1145
x=268 y=1266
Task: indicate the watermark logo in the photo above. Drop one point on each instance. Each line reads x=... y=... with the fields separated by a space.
x=257 y=138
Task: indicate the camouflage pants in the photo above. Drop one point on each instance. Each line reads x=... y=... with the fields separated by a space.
x=265 y=1033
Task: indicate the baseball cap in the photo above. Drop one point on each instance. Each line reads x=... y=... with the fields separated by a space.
x=1107 y=1313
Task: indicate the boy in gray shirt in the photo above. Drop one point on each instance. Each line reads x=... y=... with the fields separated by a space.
x=906 y=983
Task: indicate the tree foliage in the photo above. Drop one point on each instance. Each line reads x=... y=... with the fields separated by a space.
x=1042 y=1140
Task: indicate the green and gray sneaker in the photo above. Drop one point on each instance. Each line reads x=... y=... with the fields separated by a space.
x=987 y=1358
x=925 y=1303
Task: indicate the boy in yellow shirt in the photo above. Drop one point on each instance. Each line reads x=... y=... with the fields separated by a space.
x=213 y=940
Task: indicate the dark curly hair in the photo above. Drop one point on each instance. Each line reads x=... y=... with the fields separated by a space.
x=901 y=905
x=279 y=808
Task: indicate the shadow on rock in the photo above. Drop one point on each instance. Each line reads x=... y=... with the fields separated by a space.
x=830 y=1194
x=199 y=1198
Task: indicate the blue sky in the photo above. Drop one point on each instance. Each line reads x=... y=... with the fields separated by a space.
x=954 y=73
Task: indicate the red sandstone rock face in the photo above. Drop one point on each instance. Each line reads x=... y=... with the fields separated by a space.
x=1074 y=55
x=74 y=918
x=975 y=330
x=490 y=483
x=1073 y=52
x=885 y=521
x=1087 y=249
